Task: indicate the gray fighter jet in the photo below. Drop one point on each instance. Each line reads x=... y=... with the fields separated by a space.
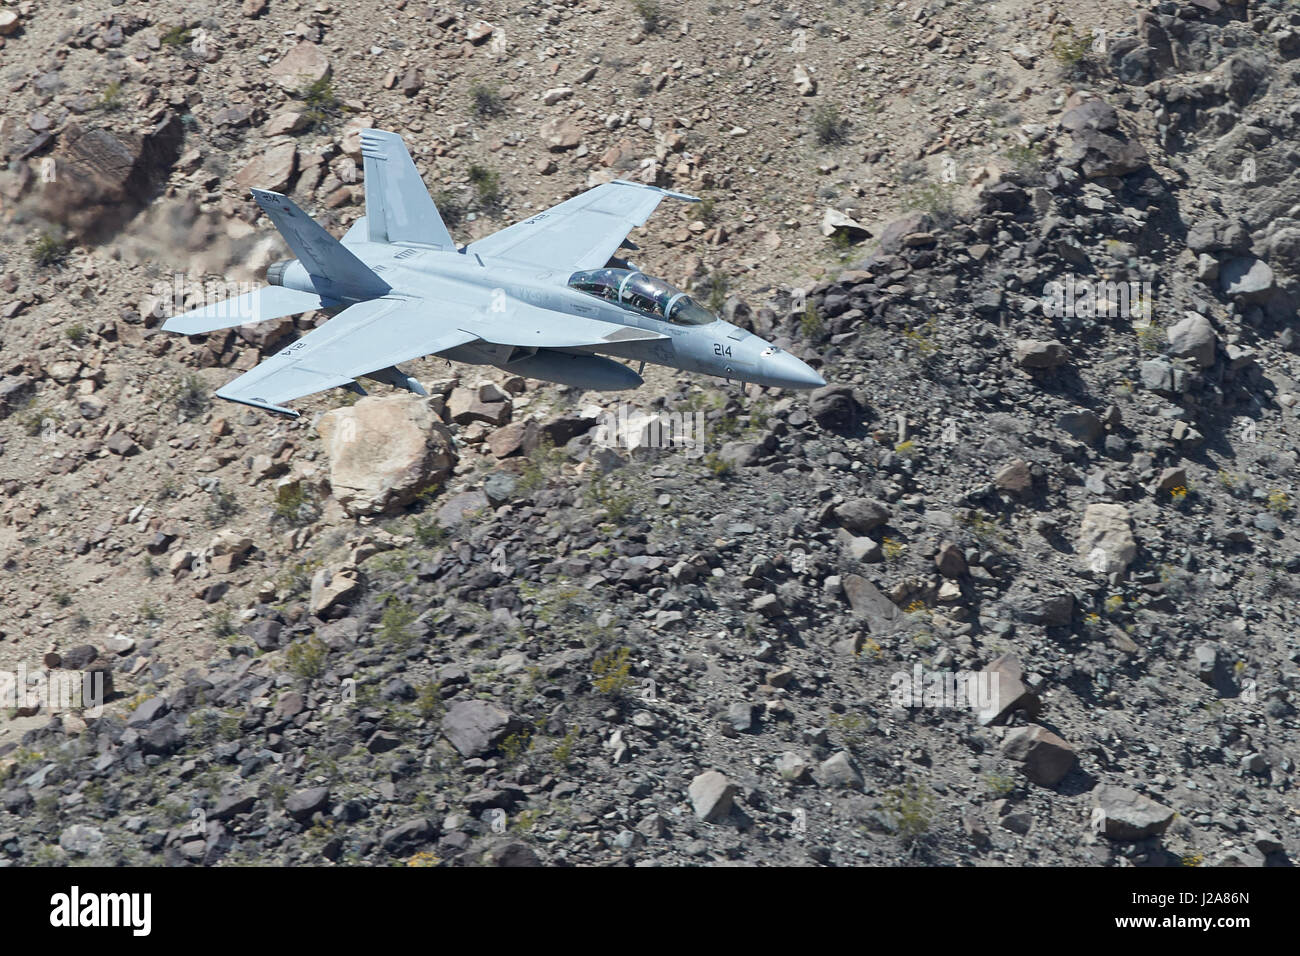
x=545 y=298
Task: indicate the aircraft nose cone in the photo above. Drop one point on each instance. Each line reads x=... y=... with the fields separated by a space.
x=786 y=371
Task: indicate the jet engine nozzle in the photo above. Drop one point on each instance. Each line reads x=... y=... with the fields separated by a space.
x=275 y=271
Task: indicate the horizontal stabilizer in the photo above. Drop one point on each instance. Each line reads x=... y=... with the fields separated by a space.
x=260 y=305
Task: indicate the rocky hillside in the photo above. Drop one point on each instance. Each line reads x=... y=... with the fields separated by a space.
x=1049 y=268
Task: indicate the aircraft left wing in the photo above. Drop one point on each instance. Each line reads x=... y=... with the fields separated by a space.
x=363 y=338
x=579 y=233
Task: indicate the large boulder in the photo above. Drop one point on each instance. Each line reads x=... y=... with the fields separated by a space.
x=272 y=170
x=1106 y=541
x=332 y=591
x=1246 y=278
x=835 y=408
x=869 y=602
x=1045 y=756
x=383 y=452
x=892 y=236
x=1126 y=815
x=1015 y=477
x=1100 y=146
x=303 y=804
x=560 y=133
x=1008 y=692
x=302 y=66
x=476 y=727
x=1244 y=76
x=102 y=179
x=712 y=796
x=1193 y=338
x=1036 y=354
x=860 y=515
x=1284 y=250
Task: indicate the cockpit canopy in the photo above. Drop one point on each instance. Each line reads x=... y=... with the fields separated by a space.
x=646 y=294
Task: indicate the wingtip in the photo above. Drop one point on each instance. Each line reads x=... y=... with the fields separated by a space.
x=257 y=403
x=671 y=194
x=266 y=197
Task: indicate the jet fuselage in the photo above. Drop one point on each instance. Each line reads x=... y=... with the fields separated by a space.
x=717 y=348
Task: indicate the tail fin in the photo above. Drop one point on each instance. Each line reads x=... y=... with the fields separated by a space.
x=398 y=206
x=335 y=271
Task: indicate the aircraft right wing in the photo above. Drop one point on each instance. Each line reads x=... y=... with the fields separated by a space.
x=383 y=332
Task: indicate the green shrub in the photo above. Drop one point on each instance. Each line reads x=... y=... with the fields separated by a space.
x=177 y=36
x=829 y=127
x=487 y=185
x=516 y=746
x=651 y=12
x=320 y=101
x=294 y=505
x=563 y=752
x=47 y=250
x=910 y=809
x=611 y=672
x=810 y=323
x=428 y=700
x=1000 y=785
x=222 y=623
x=306 y=659
x=111 y=98
x=394 y=625
x=428 y=532
x=938 y=200
x=486 y=100
x=190 y=395
x=617 y=504
x=222 y=505
x=716 y=465
x=1070 y=47
x=450 y=206
x=539 y=465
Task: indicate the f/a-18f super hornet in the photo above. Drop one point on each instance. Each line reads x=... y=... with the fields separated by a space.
x=545 y=298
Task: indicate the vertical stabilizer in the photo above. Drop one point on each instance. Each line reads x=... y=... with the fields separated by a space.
x=335 y=271
x=398 y=206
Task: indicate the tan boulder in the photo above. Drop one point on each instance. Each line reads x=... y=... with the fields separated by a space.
x=272 y=170
x=1106 y=543
x=302 y=66
x=331 y=590
x=560 y=133
x=383 y=452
